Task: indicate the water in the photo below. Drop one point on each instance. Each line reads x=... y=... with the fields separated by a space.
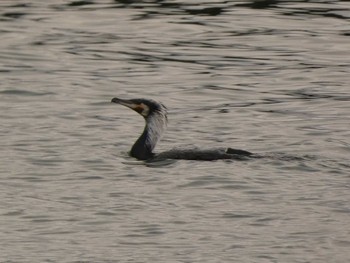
x=270 y=77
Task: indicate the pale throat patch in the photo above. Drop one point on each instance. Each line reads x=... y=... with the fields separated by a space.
x=144 y=110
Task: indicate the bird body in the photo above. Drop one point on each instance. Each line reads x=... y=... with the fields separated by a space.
x=155 y=115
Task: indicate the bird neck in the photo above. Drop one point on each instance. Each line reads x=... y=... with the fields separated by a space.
x=141 y=150
x=143 y=147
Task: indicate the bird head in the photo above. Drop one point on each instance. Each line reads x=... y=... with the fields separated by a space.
x=145 y=107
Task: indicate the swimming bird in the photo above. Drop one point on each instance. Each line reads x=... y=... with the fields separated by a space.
x=155 y=115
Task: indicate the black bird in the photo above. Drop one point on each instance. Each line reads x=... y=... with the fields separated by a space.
x=155 y=115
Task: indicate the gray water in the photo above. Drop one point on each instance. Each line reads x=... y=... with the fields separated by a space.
x=271 y=77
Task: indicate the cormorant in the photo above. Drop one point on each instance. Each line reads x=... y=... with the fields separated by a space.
x=155 y=115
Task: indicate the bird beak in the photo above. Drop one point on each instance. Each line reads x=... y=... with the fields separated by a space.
x=126 y=103
x=139 y=108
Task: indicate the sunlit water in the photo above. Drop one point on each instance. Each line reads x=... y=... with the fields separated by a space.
x=271 y=77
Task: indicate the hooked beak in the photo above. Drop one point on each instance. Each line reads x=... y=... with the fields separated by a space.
x=126 y=103
x=139 y=108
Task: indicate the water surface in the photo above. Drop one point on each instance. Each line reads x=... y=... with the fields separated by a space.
x=271 y=77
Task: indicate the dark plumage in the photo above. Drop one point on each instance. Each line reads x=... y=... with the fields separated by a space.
x=155 y=115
